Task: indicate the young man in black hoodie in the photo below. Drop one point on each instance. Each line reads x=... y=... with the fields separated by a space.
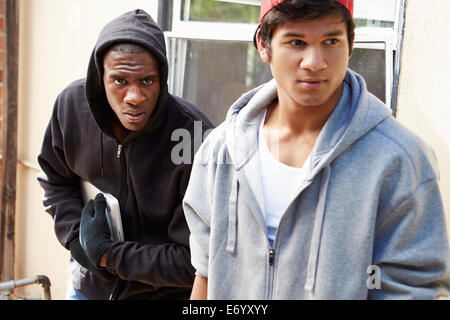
x=114 y=129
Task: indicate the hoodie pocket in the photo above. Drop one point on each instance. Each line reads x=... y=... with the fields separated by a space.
x=232 y=217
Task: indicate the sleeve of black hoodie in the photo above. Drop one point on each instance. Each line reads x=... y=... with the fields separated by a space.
x=62 y=197
x=162 y=265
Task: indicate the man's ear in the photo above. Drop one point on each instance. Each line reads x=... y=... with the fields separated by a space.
x=263 y=49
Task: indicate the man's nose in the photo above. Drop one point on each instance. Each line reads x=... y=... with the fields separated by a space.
x=313 y=59
x=134 y=95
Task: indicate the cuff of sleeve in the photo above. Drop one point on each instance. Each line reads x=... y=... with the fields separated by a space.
x=112 y=256
x=199 y=260
x=198 y=274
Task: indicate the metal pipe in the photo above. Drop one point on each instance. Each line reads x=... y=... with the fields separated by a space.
x=45 y=282
x=40 y=279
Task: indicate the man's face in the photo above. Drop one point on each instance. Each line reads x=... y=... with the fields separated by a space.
x=132 y=86
x=309 y=60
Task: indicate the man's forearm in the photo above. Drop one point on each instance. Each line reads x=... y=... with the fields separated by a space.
x=200 y=289
x=162 y=265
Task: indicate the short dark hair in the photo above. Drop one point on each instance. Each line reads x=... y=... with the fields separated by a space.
x=293 y=10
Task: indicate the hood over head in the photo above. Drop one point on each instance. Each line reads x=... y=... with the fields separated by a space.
x=138 y=27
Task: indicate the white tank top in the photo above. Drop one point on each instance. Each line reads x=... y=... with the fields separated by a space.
x=279 y=182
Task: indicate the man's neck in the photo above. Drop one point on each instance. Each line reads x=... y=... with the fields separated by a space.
x=298 y=120
x=291 y=130
x=120 y=132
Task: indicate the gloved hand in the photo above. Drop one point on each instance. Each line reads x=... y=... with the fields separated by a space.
x=95 y=237
x=78 y=254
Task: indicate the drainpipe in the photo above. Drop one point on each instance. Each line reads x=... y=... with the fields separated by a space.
x=165 y=14
x=9 y=140
x=401 y=17
x=43 y=280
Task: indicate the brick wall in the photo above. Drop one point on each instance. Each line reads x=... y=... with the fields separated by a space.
x=2 y=36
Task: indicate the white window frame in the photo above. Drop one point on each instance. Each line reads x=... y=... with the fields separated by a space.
x=182 y=31
x=209 y=30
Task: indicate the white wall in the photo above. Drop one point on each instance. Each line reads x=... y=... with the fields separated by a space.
x=424 y=88
x=56 y=40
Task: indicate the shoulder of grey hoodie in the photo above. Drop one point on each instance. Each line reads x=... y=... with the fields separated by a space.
x=419 y=154
x=403 y=159
x=410 y=206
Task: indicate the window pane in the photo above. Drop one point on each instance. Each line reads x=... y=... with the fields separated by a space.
x=220 y=11
x=213 y=74
x=216 y=73
x=371 y=64
x=374 y=13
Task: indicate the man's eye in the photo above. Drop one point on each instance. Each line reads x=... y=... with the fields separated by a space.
x=332 y=41
x=297 y=42
x=147 y=82
x=119 y=82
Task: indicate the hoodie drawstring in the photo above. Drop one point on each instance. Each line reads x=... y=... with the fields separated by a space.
x=128 y=166
x=232 y=217
x=101 y=153
x=317 y=232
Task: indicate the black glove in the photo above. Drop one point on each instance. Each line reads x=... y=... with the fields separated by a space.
x=95 y=237
x=78 y=254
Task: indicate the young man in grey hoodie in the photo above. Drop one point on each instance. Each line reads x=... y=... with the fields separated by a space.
x=310 y=189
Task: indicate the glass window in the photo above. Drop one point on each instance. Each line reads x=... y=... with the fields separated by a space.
x=370 y=64
x=220 y=11
x=374 y=13
x=216 y=73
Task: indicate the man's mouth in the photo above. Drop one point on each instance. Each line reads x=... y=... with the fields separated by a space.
x=134 y=116
x=312 y=83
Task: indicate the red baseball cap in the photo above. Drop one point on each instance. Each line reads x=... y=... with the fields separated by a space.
x=267 y=5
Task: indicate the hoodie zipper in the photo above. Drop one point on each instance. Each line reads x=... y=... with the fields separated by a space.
x=272 y=250
x=272 y=261
x=271 y=257
x=271 y=272
x=123 y=180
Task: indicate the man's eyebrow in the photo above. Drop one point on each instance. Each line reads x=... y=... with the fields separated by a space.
x=119 y=74
x=151 y=75
x=334 y=33
x=300 y=35
x=293 y=35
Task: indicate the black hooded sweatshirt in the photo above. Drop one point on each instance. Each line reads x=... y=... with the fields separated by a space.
x=154 y=260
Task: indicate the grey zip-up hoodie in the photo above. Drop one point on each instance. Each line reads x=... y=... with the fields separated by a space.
x=370 y=203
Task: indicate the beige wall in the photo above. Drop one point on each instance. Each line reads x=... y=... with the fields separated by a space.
x=56 y=39
x=424 y=88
